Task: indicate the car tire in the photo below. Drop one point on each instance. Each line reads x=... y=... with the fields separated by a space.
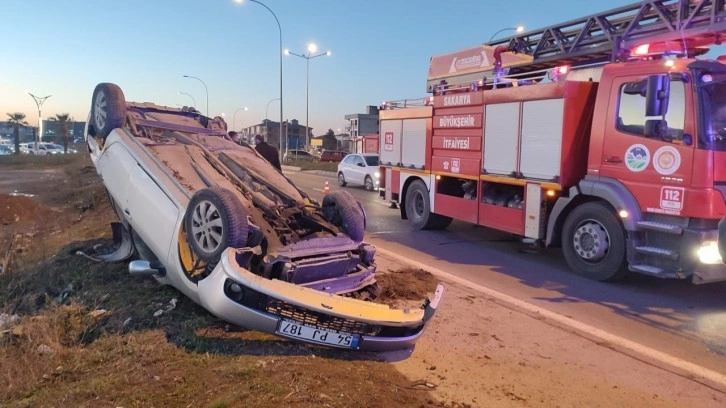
x=368 y=183
x=108 y=109
x=341 y=180
x=418 y=209
x=593 y=242
x=214 y=221
x=341 y=209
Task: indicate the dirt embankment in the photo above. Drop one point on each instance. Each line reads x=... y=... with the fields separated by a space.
x=89 y=335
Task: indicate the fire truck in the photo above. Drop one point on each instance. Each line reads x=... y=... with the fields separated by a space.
x=604 y=135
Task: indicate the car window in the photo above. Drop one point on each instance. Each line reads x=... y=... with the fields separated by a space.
x=371 y=160
x=358 y=160
x=350 y=159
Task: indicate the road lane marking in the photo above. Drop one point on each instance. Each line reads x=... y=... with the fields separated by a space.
x=588 y=330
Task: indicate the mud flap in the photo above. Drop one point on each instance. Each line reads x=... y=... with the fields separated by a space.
x=122 y=242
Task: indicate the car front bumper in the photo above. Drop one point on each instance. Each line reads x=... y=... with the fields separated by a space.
x=263 y=304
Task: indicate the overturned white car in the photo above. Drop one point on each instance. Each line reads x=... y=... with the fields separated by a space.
x=219 y=223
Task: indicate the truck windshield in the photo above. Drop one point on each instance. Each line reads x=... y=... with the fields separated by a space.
x=714 y=114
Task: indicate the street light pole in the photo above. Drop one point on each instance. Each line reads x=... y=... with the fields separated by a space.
x=194 y=101
x=205 y=90
x=268 y=106
x=280 y=30
x=234 y=118
x=311 y=49
x=39 y=103
x=517 y=29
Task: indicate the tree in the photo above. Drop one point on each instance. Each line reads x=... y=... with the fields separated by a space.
x=17 y=119
x=329 y=140
x=63 y=119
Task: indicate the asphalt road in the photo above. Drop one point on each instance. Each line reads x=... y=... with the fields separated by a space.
x=675 y=317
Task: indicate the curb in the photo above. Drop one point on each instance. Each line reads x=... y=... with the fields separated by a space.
x=291 y=168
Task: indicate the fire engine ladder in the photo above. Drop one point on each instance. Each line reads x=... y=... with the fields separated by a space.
x=611 y=36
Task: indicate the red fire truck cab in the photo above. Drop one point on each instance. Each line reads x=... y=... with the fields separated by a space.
x=610 y=145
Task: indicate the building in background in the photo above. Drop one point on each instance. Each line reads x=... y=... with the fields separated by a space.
x=52 y=132
x=294 y=131
x=26 y=132
x=360 y=124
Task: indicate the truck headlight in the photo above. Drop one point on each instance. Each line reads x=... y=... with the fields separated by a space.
x=708 y=253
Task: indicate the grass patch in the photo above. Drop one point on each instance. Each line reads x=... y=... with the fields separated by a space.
x=89 y=335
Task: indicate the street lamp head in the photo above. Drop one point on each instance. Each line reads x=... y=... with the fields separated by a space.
x=286 y=52
x=328 y=53
x=312 y=48
x=519 y=29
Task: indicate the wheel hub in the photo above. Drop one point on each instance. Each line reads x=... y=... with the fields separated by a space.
x=418 y=205
x=207 y=226
x=591 y=241
x=100 y=110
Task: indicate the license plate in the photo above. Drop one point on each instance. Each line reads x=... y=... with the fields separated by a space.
x=295 y=330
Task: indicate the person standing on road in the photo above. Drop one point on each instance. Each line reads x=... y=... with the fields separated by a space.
x=268 y=152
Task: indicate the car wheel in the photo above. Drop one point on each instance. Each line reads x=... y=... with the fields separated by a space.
x=593 y=242
x=369 y=183
x=108 y=109
x=418 y=208
x=341 y=180
x=341 y=209
x=215 y=220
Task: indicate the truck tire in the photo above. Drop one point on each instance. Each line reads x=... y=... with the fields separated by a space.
x=341 y=209
x=593 y=242
x=108 y=109
x=214 y=221
x=418 y=208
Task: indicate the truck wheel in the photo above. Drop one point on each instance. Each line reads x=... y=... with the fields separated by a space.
x=418 y=208
x=593 y=242
x=341 y=180
x=369 y=183
x=215 y=220
x=108 y=109
x=341 y=209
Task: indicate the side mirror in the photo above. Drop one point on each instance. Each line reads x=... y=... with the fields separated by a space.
x=656 y=96
x=657 y=128
x=636 y=88
x=361 y=165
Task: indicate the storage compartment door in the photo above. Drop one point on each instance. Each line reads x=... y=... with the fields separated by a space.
x=391 y=142
x=542 y=139
x=413 y=143
x=501 y=138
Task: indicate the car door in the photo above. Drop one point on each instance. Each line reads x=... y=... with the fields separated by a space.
x=657 y=171
x=358 y=169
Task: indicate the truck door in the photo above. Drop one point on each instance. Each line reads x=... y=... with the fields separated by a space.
x=656 y=170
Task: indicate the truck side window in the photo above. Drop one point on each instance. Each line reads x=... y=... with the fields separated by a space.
x=631 y=112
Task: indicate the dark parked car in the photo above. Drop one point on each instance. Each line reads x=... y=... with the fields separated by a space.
x=295 y=154
x=333 y=156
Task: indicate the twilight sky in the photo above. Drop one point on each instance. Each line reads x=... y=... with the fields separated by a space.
x=380 y=51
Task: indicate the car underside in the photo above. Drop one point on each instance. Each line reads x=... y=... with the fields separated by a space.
x=218 y=222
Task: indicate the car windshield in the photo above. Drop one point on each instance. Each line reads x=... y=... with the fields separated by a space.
x=371 y=160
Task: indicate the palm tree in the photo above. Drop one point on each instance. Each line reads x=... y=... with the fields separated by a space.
x=17 y=119
x=63 y=120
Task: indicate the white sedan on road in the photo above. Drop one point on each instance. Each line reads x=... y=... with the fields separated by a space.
x=216 y=221
x=360 y=169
